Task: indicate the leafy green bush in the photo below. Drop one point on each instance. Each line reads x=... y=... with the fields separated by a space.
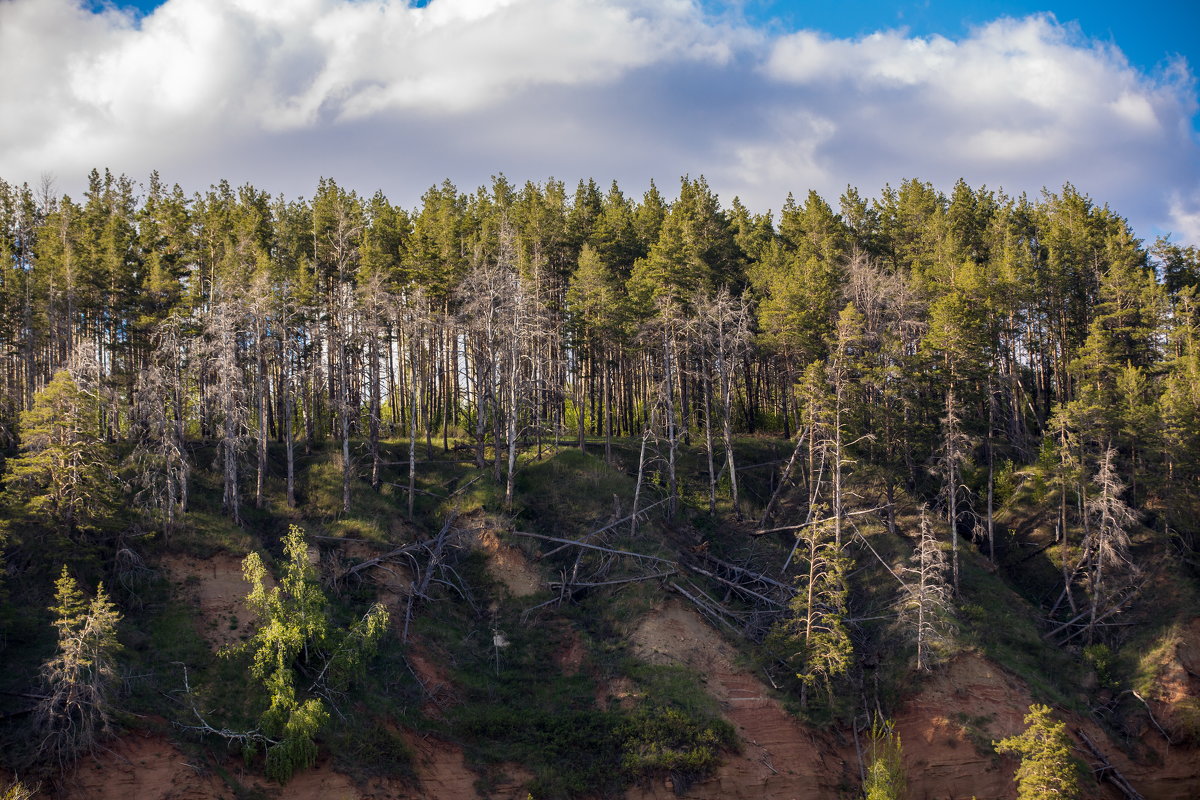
x=657 y=739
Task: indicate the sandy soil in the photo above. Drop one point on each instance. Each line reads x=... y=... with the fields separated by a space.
x=216 y=587
x=965 y=702
x=966 y=698
x=509 y=565
x=780 y=758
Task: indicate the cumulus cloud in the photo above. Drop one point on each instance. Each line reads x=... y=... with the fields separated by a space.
x=103 y=86
x=381 y=93
x=1020 y=102
x=1185 y=217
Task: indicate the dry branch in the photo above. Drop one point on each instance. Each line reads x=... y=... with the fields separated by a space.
x=1107 y=772
x=594 y=547
x=607 y=527
x=572 y=585
x=802 y=525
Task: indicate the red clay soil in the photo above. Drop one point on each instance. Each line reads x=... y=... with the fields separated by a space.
x=967 y=702
x=1171 y=771
x=152 y=768
x=972 y=699
x=967 y=697
x=780 y=757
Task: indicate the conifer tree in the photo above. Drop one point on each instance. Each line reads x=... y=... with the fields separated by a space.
x=76 y=712
x=1046 y=769
x=885 y=778
x=64 y=474
x=816 y=627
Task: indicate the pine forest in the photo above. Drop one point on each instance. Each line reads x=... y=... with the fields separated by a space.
x=567 y=492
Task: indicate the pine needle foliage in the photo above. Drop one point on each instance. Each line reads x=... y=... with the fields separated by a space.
x=885 y=771
x=1047 y=770
x=76 y=712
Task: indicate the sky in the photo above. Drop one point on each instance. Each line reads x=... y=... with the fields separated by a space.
x=763 y=97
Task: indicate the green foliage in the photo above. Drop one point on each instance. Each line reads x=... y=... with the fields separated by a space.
x=885 y=764
x=75 y=712
x=659 y=739
x=1102 y=660
x=18 y=790
x=1004 y=482
x=1047 y=768
x=815 y=633
x=295 y=631
x=64 y=474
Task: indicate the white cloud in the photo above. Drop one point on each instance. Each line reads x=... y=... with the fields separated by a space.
x=1185 y=218
x=103 y=87
x=378 y=93
x=1020 y=102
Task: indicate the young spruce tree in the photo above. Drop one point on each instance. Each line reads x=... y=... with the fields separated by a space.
x=1047 y=769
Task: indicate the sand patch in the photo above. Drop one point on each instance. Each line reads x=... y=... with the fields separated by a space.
x=216 y=588
x=508 y=564
x=780 y=757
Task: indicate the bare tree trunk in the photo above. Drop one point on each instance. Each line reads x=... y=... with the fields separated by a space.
x=414 y=395
x=608 y=431
x=708 y=444
x=668 y=371
x=637 y=487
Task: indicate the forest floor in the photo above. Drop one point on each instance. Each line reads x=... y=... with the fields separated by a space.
x=947 y=720
x=946 y=726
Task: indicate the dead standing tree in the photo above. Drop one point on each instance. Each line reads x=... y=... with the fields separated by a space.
x=524 y=332
x=414 y=318
x=224 y=328
x=720 y=331
x=481 y=308
x=952 y=455
x=662 y=338
x=1107 y=545
x=925 y=599
x=160 y=453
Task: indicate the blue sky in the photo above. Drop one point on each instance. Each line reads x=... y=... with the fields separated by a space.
x=1147 y=32
x=761 y=96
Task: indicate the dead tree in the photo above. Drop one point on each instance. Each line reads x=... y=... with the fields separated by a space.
x=375 y=301
x=951 y=457
x=925 y=599
x=1107 y=544
x=259 y=324
x=482 y=296
x=160 y=451
x=415 y=317
x=722 y=332
x=224 y=326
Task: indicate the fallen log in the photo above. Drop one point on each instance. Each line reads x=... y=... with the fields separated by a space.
x=596 y=547
x=1107 y=772
x=609 y=526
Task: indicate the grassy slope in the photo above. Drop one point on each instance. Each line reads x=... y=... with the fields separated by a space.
x=518 y=705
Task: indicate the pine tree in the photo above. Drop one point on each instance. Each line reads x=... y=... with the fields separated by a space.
x=1047 y=769
x=76 y=712
x=64 y=475
x=885 y=767
x=816 y=628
